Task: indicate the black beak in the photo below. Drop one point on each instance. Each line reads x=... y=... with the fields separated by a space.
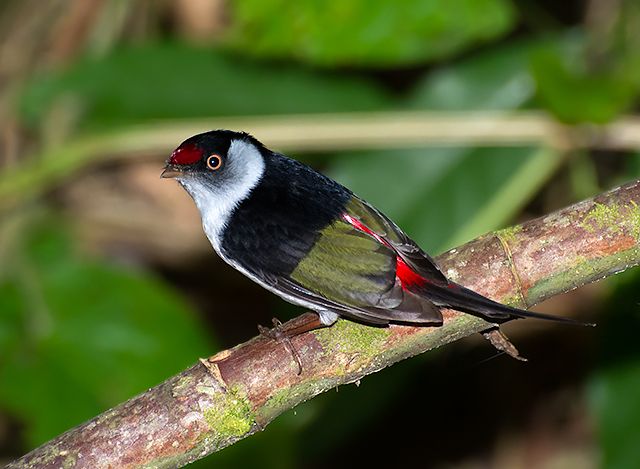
x=170 y=171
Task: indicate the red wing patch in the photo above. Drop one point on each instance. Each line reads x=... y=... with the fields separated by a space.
x=408 y=278
x=358 y=225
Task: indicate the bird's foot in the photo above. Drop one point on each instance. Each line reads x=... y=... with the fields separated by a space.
x=279 y=334
x=502 y=343
x=283 y=333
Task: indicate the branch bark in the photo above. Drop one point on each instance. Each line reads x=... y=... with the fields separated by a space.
x=239 y=391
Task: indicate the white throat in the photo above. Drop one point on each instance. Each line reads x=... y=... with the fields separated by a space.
x=245 y=167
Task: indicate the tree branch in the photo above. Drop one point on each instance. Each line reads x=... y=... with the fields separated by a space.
x=239 y=391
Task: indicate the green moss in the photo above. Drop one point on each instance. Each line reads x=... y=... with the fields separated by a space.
x=513 y=300
x=634 y=219
x=508 y=235
x=69 y=461
x=350 y=337
x=287 y=398
x=183 y=384
x=278 y=403
x=231 y=414
x=586 y=268
x=461 y=326
x=180 y=459
x=614 y=217
x=584 y=271
x=603 y=217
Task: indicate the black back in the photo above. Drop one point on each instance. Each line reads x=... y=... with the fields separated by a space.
x=278 y=223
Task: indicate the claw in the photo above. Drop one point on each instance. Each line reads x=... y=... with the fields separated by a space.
x=278 y=334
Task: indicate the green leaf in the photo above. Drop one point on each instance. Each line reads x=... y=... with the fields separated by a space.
x=366 y=32
x=576 y=91
x=78 y=336
x=482 y=193
x=445 y=196
x=158 y=81
x=496 y=80
x=633 y=166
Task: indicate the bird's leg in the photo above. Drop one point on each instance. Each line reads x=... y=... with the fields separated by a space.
x=278 y=334
x=304 y=323
x=501 y=342
x=283 y=333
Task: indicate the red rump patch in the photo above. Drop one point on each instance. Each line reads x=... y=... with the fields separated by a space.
x=408 y=278
x=185 y=154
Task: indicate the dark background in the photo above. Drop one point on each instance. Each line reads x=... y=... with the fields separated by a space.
x=108 y=286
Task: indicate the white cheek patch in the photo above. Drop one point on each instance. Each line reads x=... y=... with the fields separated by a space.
x=245 y=166
x=217 y=203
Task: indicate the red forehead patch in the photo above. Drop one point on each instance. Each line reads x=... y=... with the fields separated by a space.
x=185 y=154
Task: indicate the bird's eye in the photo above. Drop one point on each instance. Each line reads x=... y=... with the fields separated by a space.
x=214 y=162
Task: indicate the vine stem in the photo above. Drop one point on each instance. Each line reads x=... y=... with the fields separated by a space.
x=316 y=133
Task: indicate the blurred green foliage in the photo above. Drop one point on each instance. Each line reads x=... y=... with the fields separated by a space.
x=613 y=388
x=165 y=80
x=577 y=91
x=374 y=33
x=467 y=191
x=79 y=335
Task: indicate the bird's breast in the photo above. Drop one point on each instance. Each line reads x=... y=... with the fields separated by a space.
x=276 y=227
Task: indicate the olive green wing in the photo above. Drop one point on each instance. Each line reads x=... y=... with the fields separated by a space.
x=391 y=235
x=349 y=267
x=353 y=273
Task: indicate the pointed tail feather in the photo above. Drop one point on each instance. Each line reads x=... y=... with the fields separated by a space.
x=462 y=299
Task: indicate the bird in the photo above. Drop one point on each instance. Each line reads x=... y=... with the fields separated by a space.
x=313 y=242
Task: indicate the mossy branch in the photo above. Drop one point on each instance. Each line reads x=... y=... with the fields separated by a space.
x=239 y=391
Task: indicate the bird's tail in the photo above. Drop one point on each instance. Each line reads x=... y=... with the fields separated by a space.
x=457 y=297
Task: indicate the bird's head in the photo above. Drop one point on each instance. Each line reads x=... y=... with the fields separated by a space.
x=214 y=156
x=217 y=168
